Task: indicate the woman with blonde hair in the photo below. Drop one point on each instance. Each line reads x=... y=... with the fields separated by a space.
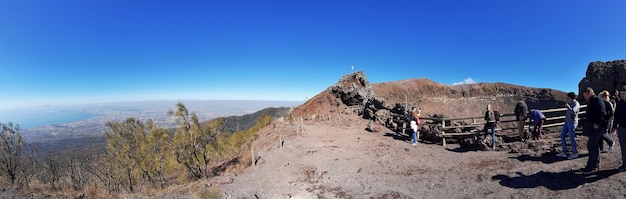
x=491 y=119
x=415 y=124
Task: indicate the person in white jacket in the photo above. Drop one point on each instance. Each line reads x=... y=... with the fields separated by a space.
x=571 y=121
x=415 y=124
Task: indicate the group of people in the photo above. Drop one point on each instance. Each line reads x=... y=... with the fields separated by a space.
x=536 y=120
x=603 y=117
x=535 y=116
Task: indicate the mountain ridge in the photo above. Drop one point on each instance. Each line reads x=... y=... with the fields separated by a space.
x=379 y=102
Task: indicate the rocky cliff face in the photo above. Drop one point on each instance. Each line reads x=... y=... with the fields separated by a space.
x=604 y=76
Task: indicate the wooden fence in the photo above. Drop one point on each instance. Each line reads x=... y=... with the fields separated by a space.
x=554 y=117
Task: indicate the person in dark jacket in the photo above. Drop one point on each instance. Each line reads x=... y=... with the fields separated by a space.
x=619 y=125
x=520 y=114
x=594 y=126
x=605 y=96
x=491 y=120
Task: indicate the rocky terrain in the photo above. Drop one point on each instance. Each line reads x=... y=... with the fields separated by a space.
x=384 y=103
x=339 y=159
x=343 y=148
x=332 y=155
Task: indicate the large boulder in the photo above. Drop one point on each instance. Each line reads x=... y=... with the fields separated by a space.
x=604 y=76
x=353 y=89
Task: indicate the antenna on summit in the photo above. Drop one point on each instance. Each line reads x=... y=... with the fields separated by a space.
x=352 y=68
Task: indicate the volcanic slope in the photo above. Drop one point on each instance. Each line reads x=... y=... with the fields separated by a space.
x=335 y=157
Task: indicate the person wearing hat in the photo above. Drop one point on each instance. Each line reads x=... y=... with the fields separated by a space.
x=571 y=121
x=619 y=125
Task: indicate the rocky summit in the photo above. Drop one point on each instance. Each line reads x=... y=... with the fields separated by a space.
x=604 y=76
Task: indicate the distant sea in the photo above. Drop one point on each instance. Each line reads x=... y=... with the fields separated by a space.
x=52 y=115
x=32 y=118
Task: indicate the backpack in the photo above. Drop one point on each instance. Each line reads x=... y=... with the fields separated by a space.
x=608 y=107
x=497 y=115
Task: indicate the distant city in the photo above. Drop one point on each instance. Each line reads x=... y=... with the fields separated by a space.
x=40 y=124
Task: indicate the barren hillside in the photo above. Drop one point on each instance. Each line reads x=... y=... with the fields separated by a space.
x=339 y=159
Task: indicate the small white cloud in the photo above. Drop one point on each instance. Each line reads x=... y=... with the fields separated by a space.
x=466 y=81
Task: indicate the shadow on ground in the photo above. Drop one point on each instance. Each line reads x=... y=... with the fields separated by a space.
x=407 y=138
x=546 y=158
x=467 y=147
x=553 y=181
x=397 y=136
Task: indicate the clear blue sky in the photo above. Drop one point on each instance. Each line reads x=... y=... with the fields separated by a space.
x=64 y=52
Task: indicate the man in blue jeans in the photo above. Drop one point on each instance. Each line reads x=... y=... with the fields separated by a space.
x=594 y=126
x=571 y=121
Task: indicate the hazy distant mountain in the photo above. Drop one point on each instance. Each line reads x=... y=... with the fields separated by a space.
x=233 y=124
x=52 y=122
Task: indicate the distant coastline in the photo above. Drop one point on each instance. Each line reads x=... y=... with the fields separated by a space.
x=55 y=115
x=33 y=119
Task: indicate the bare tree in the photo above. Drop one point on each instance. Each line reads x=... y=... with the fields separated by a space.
x=11 y=143
x=30 y=164
x=51 y=172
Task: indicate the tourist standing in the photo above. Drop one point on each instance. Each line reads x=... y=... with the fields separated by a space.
x=571 y=121
x=491 y=119
x=594 y=126
x=536 y=119
x=619 y=125
x=521 y=109
x=605 y=96
x=415 y=124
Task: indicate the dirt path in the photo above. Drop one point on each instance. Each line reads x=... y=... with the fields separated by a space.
x=339 y=159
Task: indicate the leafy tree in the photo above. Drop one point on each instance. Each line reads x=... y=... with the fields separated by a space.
x=156 y=151
x=122 y=157
x=190 y=141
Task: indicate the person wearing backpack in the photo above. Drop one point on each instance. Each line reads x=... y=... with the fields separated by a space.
x=605 y=96
x=619 y=125
x=536 y=120
x=491 y=120
x=520 y=115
